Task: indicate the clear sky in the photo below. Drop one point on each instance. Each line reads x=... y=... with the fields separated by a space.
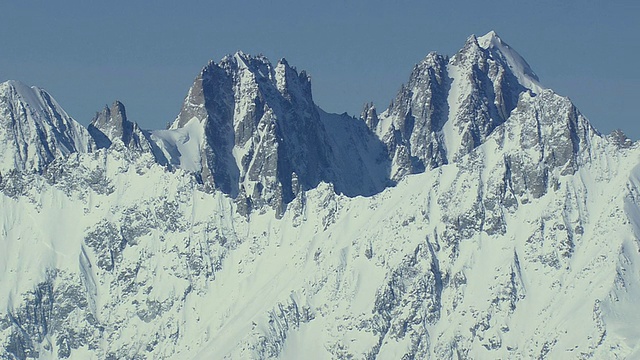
x=147 y=53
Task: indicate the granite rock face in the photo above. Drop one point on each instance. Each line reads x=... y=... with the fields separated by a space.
x=415 y=119
x=264 y=140
x=111 y=126
x=472 y=93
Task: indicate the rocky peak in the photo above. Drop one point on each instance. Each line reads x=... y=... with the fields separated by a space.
x=450 y=106
x=34 y=129
x=500 y=51
x=411 y=127
x=291 y=84
x=488 y=78
x=260 y=127
x=545 y=139
x=255 y=133
x=471 y=52
x=111 y=125
x=621 y=139
x=370 y=116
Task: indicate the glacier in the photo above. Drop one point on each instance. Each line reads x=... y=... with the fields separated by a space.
x=479 y=216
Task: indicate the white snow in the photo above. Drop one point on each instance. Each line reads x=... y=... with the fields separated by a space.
x=459 y=88
x=526 y=77
x=182 y=146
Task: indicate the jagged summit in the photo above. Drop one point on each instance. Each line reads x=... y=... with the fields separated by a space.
x=518 y=65
x=34 y=129
x=283 y=61
x=111 y=125
x=452 y=104
x=253 y=131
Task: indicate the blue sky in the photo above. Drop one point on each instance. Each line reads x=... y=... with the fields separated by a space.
x=88 y=54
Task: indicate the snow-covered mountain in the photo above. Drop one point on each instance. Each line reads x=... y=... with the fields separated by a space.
x=252 y=131
x=480 y=216
x=34 y=129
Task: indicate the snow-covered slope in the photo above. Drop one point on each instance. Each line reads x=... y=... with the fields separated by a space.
x=502 y=52
x=479 y=217
x=34 y=129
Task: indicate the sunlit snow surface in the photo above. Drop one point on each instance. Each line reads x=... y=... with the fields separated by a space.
x=526 y=246
x=314 y=280
x=516 y=63
x=182 y=146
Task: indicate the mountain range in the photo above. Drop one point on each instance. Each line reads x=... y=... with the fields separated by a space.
x=479 y=216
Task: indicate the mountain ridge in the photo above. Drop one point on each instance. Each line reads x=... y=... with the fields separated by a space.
x=433 y=120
